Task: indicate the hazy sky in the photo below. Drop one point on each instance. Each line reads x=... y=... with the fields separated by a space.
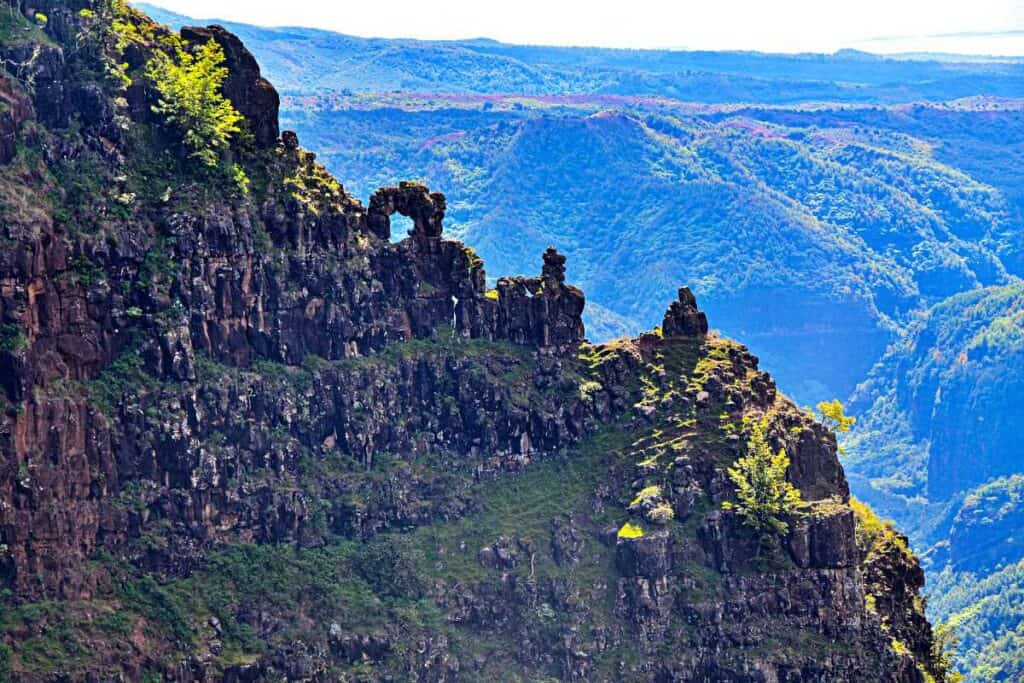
x=768 y=25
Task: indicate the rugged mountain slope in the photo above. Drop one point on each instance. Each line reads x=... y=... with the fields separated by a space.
x=248 y=436
x=939 y=450
x=818 y=233
x=856 y=215
x=854 y=227
x=951 y=385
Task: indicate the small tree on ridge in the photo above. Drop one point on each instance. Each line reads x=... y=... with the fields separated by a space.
x=192 y=99
x=764 y=496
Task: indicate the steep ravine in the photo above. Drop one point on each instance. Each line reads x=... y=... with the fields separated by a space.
x=248 y=437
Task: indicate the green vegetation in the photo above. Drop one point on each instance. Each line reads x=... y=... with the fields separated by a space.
x=122 y=379
x=882 y=545
x=630 y=531
x=820 y=201
x=951 y=385
x=986 y=614
x=646 y=495
x=951 y=379
x=365 y=587
x=874 y=535
x=662 y=513
x=943 y=655
x=833 y=415
x=191 y=99
x=15 y=28
x=853 y=246
x=764 y=496
x=12 y=338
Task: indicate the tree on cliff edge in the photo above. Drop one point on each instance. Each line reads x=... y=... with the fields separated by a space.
x=192 y=99
x=763 y=494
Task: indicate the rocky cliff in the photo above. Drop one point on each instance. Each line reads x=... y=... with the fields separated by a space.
x=247 y=435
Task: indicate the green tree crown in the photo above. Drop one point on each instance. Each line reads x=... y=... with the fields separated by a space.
x=833 y=415
x=192 y=99
x=763 y=494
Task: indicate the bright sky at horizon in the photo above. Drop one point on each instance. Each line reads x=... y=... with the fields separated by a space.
x=769 y=25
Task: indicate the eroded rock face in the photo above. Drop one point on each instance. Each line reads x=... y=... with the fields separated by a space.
x=425 y=208
x=205 y=370
x=17 y=108
x=542 y=311
x=683 y=319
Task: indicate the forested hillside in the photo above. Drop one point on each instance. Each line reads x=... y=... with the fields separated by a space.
x=939 y=449
x=813 y=237
x=855 y=215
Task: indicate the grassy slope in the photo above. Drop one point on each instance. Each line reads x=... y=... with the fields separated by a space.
x=400 y=585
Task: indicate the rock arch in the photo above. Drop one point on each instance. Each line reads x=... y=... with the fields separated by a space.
x=414 y=200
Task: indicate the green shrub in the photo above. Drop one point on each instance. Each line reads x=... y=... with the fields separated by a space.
x=630 y=531
x=192 y=99
x=5 y=663
x=763 y=495
x=833 y=415
x=876 y=536
x=662 y=513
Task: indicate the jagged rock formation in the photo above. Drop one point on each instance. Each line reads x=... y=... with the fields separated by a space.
x=425 y=208
x=683 y=319
x=246 y=436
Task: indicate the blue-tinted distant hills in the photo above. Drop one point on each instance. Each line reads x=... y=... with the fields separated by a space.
x=304 y=61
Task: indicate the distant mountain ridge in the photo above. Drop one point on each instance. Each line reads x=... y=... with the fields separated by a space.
x=895 y=207
x=333 y=61
x=843 y=238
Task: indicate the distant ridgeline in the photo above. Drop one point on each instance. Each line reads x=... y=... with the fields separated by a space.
x=333 y=62
x=853 y=218
x=812 y=232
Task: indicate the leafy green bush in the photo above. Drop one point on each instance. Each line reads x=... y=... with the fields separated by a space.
x=12 y=338
x=876 y=536
x=763 y=495
x=192 y=99
x=630 y=531
x=833 y=415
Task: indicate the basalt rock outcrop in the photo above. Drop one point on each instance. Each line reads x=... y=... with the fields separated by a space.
x=683 y=319
x=247 y=436
x=425 y=208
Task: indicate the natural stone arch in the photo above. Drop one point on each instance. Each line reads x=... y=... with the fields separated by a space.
x=426 y=209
